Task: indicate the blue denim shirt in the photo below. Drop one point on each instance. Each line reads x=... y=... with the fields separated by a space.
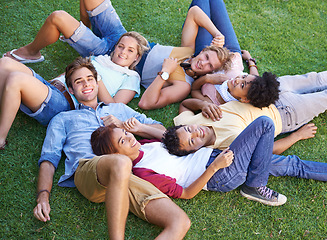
x=71 y=131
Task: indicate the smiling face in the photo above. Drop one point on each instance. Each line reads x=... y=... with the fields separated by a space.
x=193 y=137
x=239 y=87
x=84 y=86
x=125 y=143
x=206 y=62
x=125 y=52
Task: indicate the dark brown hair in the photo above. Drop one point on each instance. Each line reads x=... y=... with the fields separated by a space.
x=79 y=63
x=101 y=141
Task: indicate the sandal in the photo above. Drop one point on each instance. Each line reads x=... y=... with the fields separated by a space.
x=14 y=56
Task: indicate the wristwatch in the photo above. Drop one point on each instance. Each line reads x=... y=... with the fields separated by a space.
x=164 y=75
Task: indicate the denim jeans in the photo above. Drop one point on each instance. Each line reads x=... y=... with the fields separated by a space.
x=107 y=29
x=252 y=158
x=293 y=166
x=302 y=98
x=216 y=11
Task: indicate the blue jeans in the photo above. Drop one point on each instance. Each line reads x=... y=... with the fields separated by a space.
x=293 y=166
x=302 y=98
x=216 y=11
x=252 y=158
x=54 y=103
x=107 y=29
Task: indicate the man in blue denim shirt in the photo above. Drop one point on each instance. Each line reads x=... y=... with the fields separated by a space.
x=101 y=178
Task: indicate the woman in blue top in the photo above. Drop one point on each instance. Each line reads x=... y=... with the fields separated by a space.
x=21 y=87
x=206 y=25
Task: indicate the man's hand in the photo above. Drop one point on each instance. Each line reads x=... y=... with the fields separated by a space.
x=218 y=40
x=211 y=110
x=224 y=159
x=42 y=209
x=169 y=65
x=111 y=120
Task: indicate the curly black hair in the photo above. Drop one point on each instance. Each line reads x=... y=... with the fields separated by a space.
x=171 y=141
x=264 y=90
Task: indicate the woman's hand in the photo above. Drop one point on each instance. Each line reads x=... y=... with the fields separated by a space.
x=218 y=40
x=211 y=110
x=307 y=131
x=246 y=55
x=132 y=125
x=224 y=159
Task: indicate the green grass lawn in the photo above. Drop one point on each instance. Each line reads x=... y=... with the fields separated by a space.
x=285 y=36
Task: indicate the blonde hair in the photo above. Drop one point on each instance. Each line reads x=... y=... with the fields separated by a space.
x=142 y=46
x=224 y=55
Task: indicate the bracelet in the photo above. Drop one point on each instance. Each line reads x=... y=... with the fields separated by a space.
x=253 y=65
x=44 y=190
x=251 y=59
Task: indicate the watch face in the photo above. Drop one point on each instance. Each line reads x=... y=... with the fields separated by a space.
x=165 y=76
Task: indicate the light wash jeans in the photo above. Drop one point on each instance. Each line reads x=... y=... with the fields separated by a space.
x=54 y=103
x=216 y=11
x=107 y=29
x=302 y=98
x=252 y=157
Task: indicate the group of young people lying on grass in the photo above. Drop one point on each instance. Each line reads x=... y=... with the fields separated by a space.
x=229 y=143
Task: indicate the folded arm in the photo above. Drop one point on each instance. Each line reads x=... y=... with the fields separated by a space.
x=197 y=18
x=160 y=93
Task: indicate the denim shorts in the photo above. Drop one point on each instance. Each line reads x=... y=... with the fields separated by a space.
x=107 y=29
x=54 y=103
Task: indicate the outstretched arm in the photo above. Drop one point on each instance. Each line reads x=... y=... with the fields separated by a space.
x=224 y=159
x=197 y=18
x=307 y=131
x=42 y=209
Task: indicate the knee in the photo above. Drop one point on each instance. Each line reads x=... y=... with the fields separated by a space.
x=184 y=223
x=58 y=17
x=178 y=220
x=7 y=63
x=266 y=122
x=118 y=166
x=14 y=81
